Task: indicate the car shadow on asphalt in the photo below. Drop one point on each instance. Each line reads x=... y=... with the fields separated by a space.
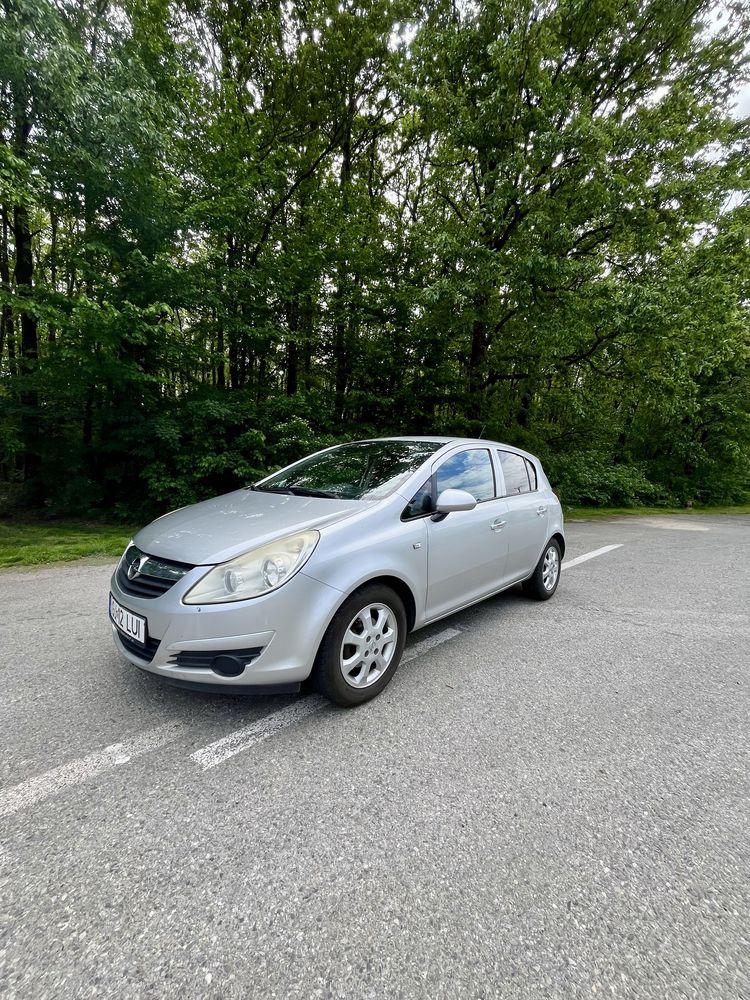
x=142 y=689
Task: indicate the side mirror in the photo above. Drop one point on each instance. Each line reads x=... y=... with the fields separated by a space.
x=451 y=500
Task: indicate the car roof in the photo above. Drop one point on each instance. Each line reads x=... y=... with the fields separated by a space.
x=445 y=441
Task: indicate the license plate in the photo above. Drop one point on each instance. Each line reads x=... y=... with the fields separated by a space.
x=129 y=624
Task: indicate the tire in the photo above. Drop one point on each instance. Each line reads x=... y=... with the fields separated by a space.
x=351 y=673
x=548 y=568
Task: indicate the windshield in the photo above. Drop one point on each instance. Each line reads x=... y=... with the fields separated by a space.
x=364 y=470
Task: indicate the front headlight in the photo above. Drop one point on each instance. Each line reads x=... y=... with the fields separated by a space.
x=256 y=572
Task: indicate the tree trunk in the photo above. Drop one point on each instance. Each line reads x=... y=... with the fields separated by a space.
x=292 y=348
x=24 y=279
x=232 y=258
x=87 y=430
x=51 y=334
x=234 y=368
x=306 y=340
x=476 y=367
x=342 y=330
x=221 y=360
x=6 y=314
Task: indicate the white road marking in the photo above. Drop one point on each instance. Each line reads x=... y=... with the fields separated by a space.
x=426 y=644
x=75 y=772
x=568 y=564
x=257 y=732
x=260 y=730
x=674 y=524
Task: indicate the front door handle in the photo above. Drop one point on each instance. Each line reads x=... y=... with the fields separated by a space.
x=541 y=510
x=497 y=525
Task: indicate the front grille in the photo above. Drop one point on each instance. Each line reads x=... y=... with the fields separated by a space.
x=194 y=659
x=144 y=652
x=154 y=576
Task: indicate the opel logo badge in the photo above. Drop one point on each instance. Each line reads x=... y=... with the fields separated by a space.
x=135 y=567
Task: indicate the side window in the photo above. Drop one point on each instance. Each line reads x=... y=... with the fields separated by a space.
x=531 y=469
x=470 y=471
x=420 y=503
x=514 y=473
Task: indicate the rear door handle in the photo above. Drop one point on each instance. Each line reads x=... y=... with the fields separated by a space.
x=497 y=525
x=541 y=510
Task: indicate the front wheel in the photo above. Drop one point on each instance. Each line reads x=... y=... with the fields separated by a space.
x=543 y=582
x=362 y=646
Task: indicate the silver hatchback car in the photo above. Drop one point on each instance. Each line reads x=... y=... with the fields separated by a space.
x=320 y=570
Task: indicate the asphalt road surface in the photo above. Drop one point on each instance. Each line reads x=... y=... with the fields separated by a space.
x=549 y=800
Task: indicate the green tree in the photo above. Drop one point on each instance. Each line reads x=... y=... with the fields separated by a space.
x=230 y=231
x=577 y=150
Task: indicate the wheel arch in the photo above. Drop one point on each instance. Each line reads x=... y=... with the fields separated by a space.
x=402 y=588
x=560 y=539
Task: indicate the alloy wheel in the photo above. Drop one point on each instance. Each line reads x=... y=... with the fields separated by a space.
x=368 y=645
x=550 y=568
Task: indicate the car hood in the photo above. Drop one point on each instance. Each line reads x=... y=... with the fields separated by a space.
x=219 y=529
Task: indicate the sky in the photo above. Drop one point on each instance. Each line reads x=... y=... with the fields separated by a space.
x=743 y=102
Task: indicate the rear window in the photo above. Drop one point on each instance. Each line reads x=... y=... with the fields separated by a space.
x=514 y=473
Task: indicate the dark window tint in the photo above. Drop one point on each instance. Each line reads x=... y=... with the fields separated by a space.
x=514 y=473
x=470 y=471
x=532 y=474
x=364 y=470
x=420 y=503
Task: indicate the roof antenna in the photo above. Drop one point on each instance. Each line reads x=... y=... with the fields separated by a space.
x=481 y=433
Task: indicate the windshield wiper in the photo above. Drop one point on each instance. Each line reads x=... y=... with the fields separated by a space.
x=304 y=491
x=296 y=491
x=272 y=489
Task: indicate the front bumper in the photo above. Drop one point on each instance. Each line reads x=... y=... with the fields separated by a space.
x=276 y=636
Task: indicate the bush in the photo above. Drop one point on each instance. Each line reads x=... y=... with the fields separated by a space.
x=591 y=478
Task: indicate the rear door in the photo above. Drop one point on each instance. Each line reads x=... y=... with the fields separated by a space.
x=527 y=514
x=467 y=549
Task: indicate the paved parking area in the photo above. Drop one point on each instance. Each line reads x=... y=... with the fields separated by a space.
x=549 y=800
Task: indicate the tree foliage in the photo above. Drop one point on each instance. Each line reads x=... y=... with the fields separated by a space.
x=233 y=231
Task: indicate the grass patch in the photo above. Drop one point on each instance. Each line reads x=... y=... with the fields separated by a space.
x=50 y=542
x=36 y=544
x=596 y=513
